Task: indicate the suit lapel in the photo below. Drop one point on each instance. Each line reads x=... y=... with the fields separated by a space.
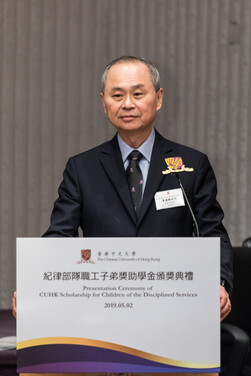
x=111 y=160
x=160 y=150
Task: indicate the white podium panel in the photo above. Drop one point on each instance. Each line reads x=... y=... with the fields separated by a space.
x=147 y=305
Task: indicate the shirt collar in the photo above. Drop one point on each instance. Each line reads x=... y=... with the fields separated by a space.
x=145 y=149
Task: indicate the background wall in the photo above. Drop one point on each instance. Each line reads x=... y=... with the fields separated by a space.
x=52 y=53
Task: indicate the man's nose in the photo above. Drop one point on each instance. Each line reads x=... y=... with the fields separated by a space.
x=128 y=102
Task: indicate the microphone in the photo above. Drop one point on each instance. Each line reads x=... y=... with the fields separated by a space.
x=189 y=206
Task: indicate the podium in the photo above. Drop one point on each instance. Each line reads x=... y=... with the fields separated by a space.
x=118 y=305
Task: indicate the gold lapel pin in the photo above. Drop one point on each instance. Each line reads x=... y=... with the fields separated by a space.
x=175 y=165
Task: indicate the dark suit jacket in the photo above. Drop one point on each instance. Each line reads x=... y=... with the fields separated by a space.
x=94 y=195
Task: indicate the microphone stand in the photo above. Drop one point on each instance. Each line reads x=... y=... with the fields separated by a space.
x=189 y=206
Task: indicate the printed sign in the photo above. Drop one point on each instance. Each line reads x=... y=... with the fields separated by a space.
x=138 y=305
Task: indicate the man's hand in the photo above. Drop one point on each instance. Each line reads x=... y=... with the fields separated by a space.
x=225 y=304
x=14 y=305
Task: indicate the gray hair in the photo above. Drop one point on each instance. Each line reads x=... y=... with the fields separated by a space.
x=155 y=77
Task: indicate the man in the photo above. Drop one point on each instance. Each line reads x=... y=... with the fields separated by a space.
x=95 y=194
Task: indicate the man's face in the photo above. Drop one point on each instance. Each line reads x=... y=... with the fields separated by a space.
x=130 y=100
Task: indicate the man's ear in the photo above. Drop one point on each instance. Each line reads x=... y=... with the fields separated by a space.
x=159 y=98
x=103 y=101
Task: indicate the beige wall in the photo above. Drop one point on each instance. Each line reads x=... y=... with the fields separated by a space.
x=52 y=53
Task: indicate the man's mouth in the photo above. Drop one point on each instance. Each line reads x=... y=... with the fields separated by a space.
x=128 y=117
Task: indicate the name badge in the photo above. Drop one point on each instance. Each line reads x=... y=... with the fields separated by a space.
x=169 y=199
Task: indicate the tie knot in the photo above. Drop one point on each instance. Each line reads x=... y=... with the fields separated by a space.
x=135 y=155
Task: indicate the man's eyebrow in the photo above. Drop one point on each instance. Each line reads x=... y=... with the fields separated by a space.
x=118 y=88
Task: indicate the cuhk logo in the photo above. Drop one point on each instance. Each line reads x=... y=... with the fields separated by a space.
x=86 y=257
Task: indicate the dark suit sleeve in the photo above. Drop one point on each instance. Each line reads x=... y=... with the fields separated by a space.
x=66 y=214
x=209 y=216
